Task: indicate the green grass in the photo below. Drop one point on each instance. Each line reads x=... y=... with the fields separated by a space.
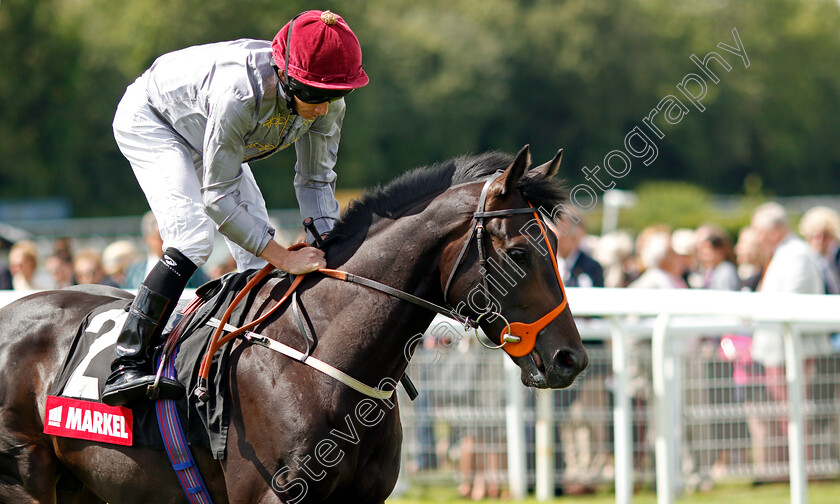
x=822 y=492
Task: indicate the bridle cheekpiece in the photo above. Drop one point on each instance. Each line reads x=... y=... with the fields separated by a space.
x=517 y=338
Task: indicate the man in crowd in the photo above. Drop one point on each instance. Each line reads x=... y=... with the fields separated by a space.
x=584 y=442
x=792 y=268
x=820 y=226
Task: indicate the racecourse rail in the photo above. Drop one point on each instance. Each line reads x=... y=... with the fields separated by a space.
x=685 y=313
x=662 y=318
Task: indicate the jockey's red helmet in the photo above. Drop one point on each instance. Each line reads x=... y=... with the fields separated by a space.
x=325 y=52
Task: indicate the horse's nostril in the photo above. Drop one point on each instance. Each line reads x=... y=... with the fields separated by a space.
x=565 y=358
x=571 y=359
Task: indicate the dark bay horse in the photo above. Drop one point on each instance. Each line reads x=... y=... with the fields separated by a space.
x=296 y=434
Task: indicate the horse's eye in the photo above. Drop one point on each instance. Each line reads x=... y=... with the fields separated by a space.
x=519 y=256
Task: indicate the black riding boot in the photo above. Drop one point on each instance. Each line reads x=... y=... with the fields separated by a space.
x=132 y=371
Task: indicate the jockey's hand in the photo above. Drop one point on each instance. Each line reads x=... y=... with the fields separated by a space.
x=296 y=262
x=304 y=260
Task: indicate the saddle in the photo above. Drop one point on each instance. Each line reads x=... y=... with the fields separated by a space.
x=87 y=367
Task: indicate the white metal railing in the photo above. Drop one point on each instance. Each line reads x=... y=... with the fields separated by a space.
x=709 y=312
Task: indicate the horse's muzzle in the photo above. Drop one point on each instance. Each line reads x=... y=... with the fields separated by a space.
x=557 y=372
x=566 y=365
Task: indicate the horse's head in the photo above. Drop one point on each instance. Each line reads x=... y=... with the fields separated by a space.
x=502 y=273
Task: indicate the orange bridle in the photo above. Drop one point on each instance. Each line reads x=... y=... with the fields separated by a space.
x=527 y=333
x=517 y=338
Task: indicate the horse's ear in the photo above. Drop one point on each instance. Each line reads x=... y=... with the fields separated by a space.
x=507 y=182
x=550 y=169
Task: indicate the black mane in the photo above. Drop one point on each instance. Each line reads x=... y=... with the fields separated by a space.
x=428 y=181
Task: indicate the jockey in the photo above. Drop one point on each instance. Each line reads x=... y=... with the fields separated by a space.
x=189 y=126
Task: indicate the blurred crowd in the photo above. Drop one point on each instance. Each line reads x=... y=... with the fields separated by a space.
x=120 y=264
x=657 y=257
x=709 y=258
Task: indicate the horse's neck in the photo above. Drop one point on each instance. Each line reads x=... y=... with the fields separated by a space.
x=404 y=254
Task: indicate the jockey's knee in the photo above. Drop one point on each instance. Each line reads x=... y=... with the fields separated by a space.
x=198 y=253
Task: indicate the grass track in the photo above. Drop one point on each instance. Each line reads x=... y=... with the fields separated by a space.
x=822 y=492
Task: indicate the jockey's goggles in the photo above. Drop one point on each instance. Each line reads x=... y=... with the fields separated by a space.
x=313 y=95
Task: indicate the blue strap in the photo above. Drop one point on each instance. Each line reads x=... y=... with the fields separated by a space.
x=182 y=466
x=176 y=445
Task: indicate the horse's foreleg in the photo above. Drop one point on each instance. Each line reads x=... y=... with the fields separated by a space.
x=27 y=475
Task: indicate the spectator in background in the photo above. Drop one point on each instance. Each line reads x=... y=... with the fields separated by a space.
x=576 y=266
x=716 y=272
x=792 y=268
x=137 y=272
x=714 y=252
x=613 y=252
x=585 y=451
x=820 y=226
x=636 y=266
x=663 y=268
x=5 y=278
x=63 y=248
x=684 y=243
x=61 y=271
x=87 y=266
x=750 y=260
x=116 y=259
x=23 y=263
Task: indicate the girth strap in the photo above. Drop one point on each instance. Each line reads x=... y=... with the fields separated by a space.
x=217 y=341
x=310 y=361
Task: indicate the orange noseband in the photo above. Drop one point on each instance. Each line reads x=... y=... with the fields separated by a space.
x=527 y=333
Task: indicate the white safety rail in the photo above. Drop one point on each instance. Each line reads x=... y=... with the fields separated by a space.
x=7 y=296
x=660 y=387
x=682 y=314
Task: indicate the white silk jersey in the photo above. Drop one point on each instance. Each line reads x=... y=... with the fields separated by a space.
x=190 y=124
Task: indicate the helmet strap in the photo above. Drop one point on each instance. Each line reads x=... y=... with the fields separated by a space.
x=288 y=94
x=284 y=82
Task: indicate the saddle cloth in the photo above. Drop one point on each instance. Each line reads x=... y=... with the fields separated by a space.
x=205 y=424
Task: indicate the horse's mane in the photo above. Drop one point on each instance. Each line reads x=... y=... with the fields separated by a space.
x=428 y=181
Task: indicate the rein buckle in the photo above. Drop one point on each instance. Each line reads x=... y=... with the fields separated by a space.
x=511 y=338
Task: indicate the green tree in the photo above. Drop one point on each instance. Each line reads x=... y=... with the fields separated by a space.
x=447 y=77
